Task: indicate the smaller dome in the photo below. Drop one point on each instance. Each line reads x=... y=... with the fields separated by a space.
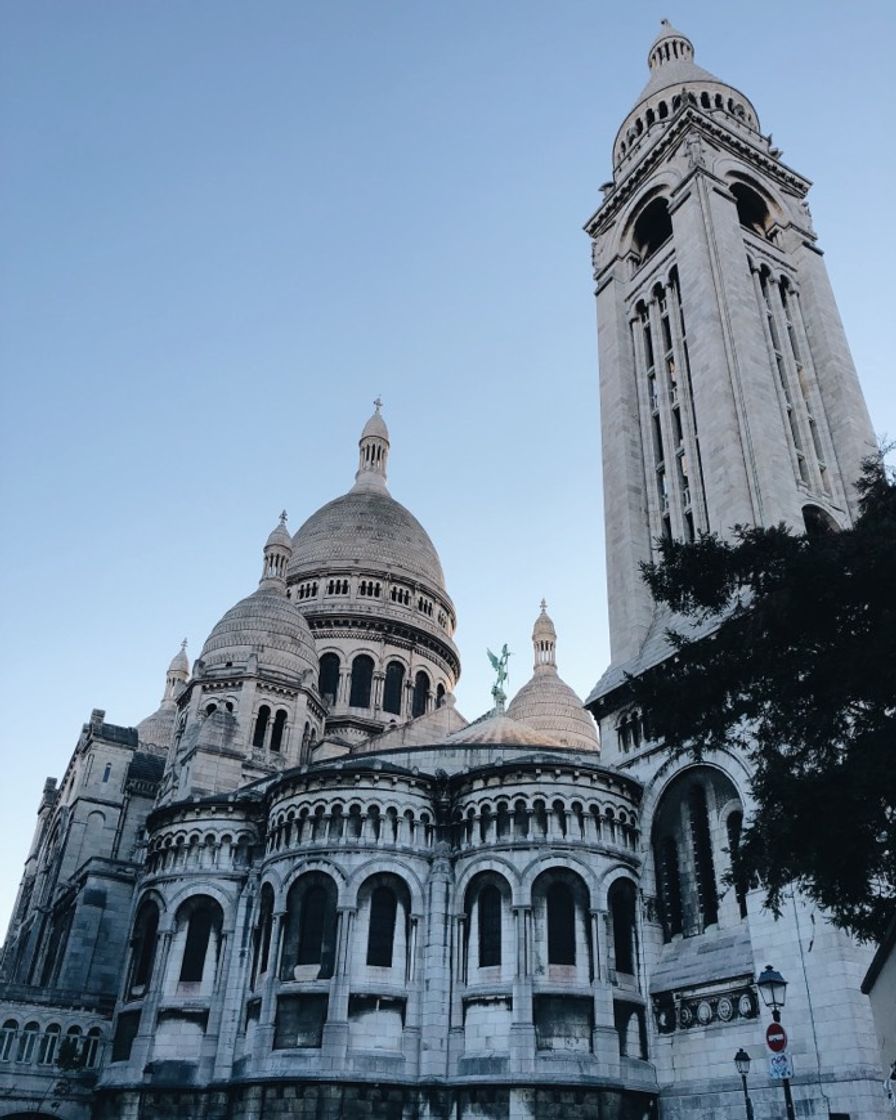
x=376 y=425
x=180 y=663
x=280 y=536
x=500 y=730
x=267 y=626
x=546 y=703
x=155 y=732
x=550 y=707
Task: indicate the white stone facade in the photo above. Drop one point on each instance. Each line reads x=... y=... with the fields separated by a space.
x=307 y=887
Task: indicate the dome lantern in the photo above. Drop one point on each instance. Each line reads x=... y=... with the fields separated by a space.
x=373 y=451
x=544 y=641
x=277 y=554
x=178 y=673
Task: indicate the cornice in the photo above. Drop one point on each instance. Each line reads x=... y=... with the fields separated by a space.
x=691 y=118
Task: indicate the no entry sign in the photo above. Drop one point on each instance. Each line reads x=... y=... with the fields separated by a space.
x=776 y=1038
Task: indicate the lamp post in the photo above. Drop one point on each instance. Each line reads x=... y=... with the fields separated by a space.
x=773 y=989
x=742 y=1061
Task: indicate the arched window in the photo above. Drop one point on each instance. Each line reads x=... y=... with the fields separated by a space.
x=261 y=936
x=421 y=694
x=653 y=228
x=328 y=677
x=818 y=522
x=27 y=1040
x=381 y=932
x=143 y=946
x=561 y=924
x=203 y=919
x=362 y=679
x=261 y=726
x=277 y=730
x=621 y=902
x=488 y=906
x=393 y=688
x=752 y=211
x=690 y=850
x=46 y=1051
x=440 y=695
x=7 y=1039
x=92 y=1048
x=309 y=941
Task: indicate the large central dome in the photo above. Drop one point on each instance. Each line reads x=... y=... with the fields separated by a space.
x=367 y=528
x=369 y=581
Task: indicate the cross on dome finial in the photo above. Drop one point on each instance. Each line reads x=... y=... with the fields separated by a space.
x=544 y=606
x=378 y=404
x=183 y=645
x=283 y=518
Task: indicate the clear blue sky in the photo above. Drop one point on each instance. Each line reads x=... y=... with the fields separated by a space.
x=226 y=227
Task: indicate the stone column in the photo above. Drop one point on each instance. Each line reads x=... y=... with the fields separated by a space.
x=436 y=967
x=522 y=1028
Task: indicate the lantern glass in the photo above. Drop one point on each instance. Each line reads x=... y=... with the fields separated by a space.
x=742 y=1061
x=773 y=987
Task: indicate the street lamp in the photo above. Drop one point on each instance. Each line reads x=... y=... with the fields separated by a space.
x=742 y=1062
x=773 y=988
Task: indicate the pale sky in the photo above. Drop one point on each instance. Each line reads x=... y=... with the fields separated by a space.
x=226 y=227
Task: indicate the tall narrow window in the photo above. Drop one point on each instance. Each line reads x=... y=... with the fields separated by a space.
x=311 y=930
x=735 y=824
x=309 y=936
x=703 y=862
x=328 y=677
x=198 y=936
x=362 y=680
x=561 y=924
x=621 y=899
x=381 y=935
x=489 y=916
x=261 y=939
x=669 y=882
x=261 y=726
x=143 y=946
x=421 y=694
x=393 y=688
x=277 y=730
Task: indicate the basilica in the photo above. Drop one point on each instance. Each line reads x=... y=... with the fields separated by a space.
x=307 y=887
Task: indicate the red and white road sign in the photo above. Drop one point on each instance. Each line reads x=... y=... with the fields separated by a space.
x=776 y=1038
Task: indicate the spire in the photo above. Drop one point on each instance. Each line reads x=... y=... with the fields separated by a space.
x=374 y=451
x=544 y=642
x=177 y=675
x=669 y=46
x=277 y=552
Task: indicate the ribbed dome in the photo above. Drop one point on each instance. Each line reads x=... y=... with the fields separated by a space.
x=549 y=706
x=156 y=730
x=180 y=663
x=366 y=527
x=268 y=625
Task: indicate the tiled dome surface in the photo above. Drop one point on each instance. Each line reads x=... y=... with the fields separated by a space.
x=369 y=528
x=550 y=707
x=267 y=624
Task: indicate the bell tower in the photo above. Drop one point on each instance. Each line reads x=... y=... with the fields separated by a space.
x=728 y=393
